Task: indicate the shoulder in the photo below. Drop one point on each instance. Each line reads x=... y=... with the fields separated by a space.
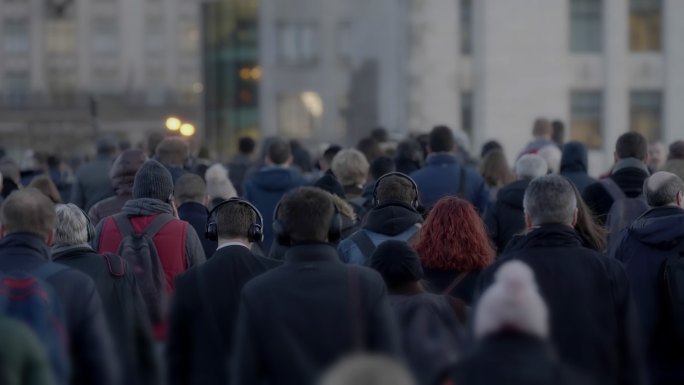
x=594 y=189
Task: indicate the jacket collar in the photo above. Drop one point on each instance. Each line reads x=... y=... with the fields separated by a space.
x=392 y=218
x=548 y=235
x=439 y=158
x=630 y=163
x=193 y=206
x=24 y=245
x=60 y=250
x=311 y=252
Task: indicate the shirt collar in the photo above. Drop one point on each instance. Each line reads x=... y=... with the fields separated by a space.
x=232 y=244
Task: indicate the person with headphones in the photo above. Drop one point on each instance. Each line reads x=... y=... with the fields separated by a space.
x=395 y=215
x=205 y=303
x=297 y=320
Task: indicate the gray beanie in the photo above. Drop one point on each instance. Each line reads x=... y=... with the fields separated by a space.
x=153 y=180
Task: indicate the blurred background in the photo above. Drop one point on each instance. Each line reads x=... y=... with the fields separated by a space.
x=332 y=70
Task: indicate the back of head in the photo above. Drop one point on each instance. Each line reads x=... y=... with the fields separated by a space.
x=71 y=225
x=28 y=210
x=397 y=262
x=661 y=189
x=370 y=148
x=489 y=146
x=126 y=166
x=494 y=168
x=442 y=139
x=46 y=186
x=279 y=152
x=408 y=149
x=558 y=131
x=395 y=188
x=552 y=155
x=631 y=145
x=246 y=145
x=153 y=181
x=234 y=219
x=676 y=150
x=381 y=166
x=218 y=183
x=153 y=141
x=350 y=167
x=367 y=370
x=550 y=199
x=305 y=214
x=574 y=154
x=512 y=302
x=379 y=134
x=530 y=166
x=172 y=152
x=330 y=152
x=190 y=188
x=542 y=128
x=106 y=145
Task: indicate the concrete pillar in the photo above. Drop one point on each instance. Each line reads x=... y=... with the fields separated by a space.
x=268 y=56
x=616 y=90
x=673 y=31
x=85 y=52
x=37 y=46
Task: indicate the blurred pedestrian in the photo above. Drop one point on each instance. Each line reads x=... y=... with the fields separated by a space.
x=575 y=165
x=43 y=183
x=675 y=159
x=496 y=172
x=92 y=182
x=219 y=186
x=190 y=197
x=542 y=132
x=238 y=166
x=173 y=153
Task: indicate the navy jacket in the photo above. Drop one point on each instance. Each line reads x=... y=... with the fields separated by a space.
x=90 y=344
x=441 y=176
x=506 y=217
x=196 y=215
x=265 y=188
x=298 y=319
x=643 y=248
x=631 y=181
x=591 y=310
x=574 y=165
x=92 y=183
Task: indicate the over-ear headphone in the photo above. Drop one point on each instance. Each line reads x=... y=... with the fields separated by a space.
x=415 y=203
x=255 y=233
x=90 y=229
x=283 y=238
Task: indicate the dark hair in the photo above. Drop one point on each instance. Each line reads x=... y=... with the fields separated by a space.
x=441 y=139
x=153 y=141
x=44 y=184
x=233 y=220
x=593 y=234
x=306 y=214
x=370 y=148
x=330 y=153
x=381 y=166
x=557 y=131
x=631 y=145
x=395 y=188
x=379 y=134
x=676 y=150
x=28 y=210
x=541 y=127
x=246 y=145
x=172 y=152
x=409 y=149
x=279 y=151
x=489 y=146
x=190 y=188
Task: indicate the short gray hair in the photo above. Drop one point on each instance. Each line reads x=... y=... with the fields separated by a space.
x=71 y=225
x=531 y=166
x=550 y=199
x=661 y=188
x=350 y=167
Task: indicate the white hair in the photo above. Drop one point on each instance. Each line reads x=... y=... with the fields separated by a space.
x=71 y=225
x=218 y=183
x=367 y=369
x=513 y=301
x=530 y=166
x=552 y=155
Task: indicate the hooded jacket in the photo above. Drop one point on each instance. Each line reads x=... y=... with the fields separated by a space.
x=574 y=165
x=92 y=183
x=265 y=188
x=643 y=248
x=391 y=220
x=506 y=217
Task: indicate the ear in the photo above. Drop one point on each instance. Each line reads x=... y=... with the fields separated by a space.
x=51 y=238
x=528 y=221
x=574 y=217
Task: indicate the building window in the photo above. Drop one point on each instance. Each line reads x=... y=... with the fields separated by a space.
x=297 y=43
x=467 y=112
x=106 y=80
x=60 y=36
x=105 y=36
x=466 y=24
x=645 y=25
x=299 y=115
x=189 y=36
x=154 y=35
x=645 y=114
x=16 y=85
x=586 y=108
x=16 y=36
x=586 y=29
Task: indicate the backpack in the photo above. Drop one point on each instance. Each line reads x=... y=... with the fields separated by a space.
x=367 y=246
x=140 y=252
x=673 y=279
x=624 y=209
x=29 y=298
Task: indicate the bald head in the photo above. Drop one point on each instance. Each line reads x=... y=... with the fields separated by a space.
x=28 y=210
x=664 y=189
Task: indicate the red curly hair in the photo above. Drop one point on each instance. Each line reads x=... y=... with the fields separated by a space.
x=454 y=238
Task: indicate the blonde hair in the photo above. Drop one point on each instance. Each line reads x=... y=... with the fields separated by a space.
x=350 y=167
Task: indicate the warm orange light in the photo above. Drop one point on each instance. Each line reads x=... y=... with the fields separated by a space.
x=173 y=124
x=187 y=129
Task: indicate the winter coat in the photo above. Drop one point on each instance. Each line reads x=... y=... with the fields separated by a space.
x=441 y=177
x=392 y=220
x=575 y=164
x=675 y=166
x=22 y=358
x=93 y=360
x=643 y=248
x=298 y=319
x=506 y=217
x=630 y=180
x=406 y=165
x=237 y=169
x=176 y=172
x=124 y=308
x=537 y=144
x=438 y=281
x=265 y=188
x=591 y=310
x=92 y=183
x=201 y=333
x=196 y=215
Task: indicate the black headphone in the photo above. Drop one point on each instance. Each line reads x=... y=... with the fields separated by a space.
x=283 y=238
x=255 y=233
x=90 y=229
x=415 y=203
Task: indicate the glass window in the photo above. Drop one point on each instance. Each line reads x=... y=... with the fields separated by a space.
x=106 y=80
x=586 y=109
x=105 y=36
x=298 y=114
x=645 y=114
x=16 y=86
x=466 y=24
x=60 y=36
x=154 y=35
x=189 y=37
x=467 y=112
x=586 y=29
x=645 y=25
x=16 y=36
x=297 y=43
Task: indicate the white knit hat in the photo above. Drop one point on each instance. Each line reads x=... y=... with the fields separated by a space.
x=218 y=184
x=513 y=301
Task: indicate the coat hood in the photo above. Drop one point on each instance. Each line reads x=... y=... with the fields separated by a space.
x=660 y=227
x=392 y=218
x=276 y=179
x=122 y=173
x=513 y=194
x=574 y=157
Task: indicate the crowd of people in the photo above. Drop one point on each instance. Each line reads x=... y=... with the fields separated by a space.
x=406 y=262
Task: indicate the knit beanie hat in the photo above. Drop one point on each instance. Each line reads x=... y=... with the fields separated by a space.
x=397 y=262
x=512 y=302
x=154 y=181
x=218 y=183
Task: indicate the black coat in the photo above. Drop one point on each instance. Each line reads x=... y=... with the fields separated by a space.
x=643 y=248
x=438 y=281
x=574 y=165
x=297 y=320
x=513 y=358
x=200 y=341
x=630 y=180
x=125 y=310
x=506 y=217
x=91 y=348
x=196 y=215
x=591 y=310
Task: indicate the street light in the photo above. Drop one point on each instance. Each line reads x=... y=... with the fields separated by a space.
x=187 y=129
x=173 y=124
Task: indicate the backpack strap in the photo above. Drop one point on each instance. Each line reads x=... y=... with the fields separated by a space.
x=47 y=270
x=115 y=264
x=355 y=307
x=157 y=224
x=461 y=182
x=459 y=278
x=364 y=243
x=123 y=222
x=613 y=189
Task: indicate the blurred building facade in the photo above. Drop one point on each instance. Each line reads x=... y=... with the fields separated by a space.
x=334 y=70
x=71 y=69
